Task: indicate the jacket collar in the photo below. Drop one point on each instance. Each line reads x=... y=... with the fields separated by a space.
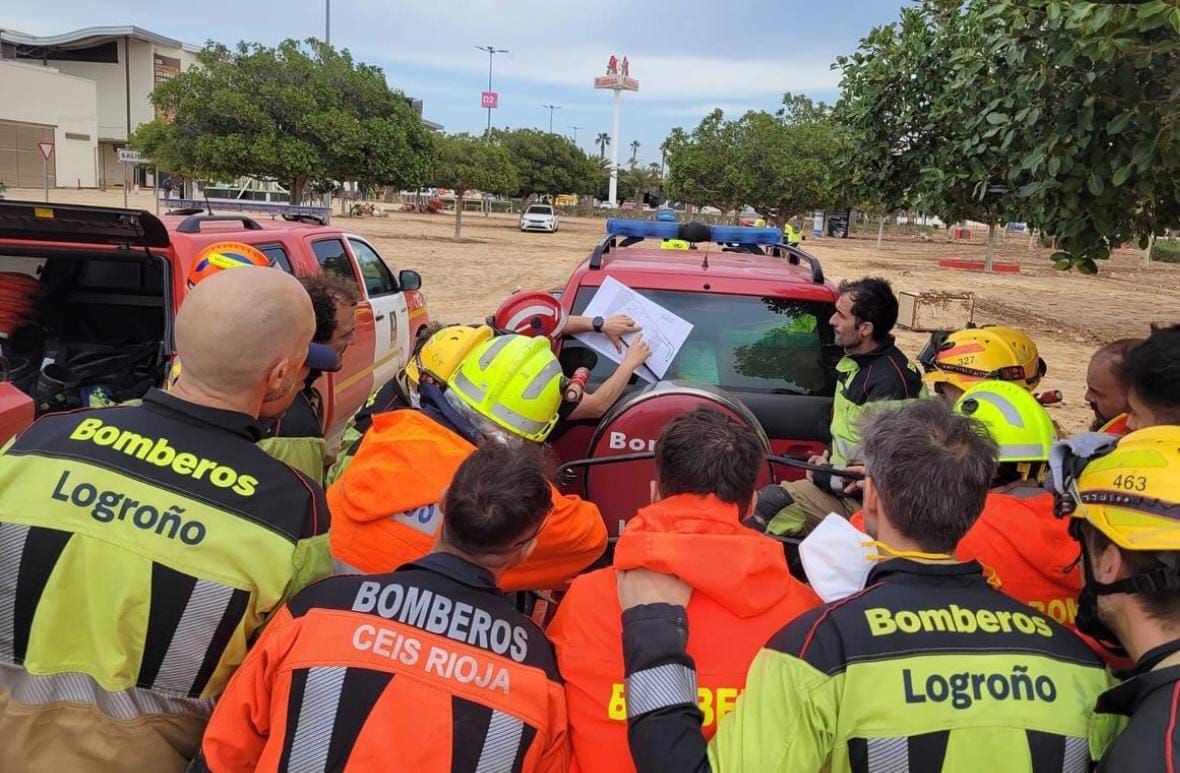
x=159 y=401
x=886 y=345
x=905 y=566
x=1140 y=682
x=458 y=569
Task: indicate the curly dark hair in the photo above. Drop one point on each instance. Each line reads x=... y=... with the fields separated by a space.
x=326 y=290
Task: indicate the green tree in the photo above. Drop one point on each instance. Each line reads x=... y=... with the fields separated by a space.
x=602 y=140
x=634 y=151
x=299 y=113
x=547 y=163
x=705 y=167
x=1094 y=127
x=1063 y=113
x=465 y=163
x=792 y=156
x=915 y=135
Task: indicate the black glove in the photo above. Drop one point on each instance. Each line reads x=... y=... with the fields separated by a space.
x=772 y=499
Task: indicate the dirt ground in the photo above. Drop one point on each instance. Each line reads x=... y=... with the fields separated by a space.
x=1068 y=315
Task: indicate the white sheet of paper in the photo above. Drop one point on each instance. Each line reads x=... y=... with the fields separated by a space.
x=663 y=331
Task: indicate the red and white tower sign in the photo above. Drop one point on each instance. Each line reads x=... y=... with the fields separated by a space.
x=617 y=79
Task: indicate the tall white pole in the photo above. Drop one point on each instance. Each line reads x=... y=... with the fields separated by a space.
x=614 y=151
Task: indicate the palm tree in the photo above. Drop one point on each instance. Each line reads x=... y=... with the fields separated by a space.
x=602 y=140
x=641 y=180
x=634 y=151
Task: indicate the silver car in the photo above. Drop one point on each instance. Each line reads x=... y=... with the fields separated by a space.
x=539 y=217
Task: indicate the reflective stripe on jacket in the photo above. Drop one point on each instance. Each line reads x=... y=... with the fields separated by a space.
x=429 y=668
x=141 y=549
x=387 y=514
x=738 y=602
x=928 y=668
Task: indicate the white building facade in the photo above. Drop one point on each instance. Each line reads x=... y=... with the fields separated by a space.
x=123 y=66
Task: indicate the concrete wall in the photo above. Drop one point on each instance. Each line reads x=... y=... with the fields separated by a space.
x=112 y=95
x=112 y=108
x=42 y=95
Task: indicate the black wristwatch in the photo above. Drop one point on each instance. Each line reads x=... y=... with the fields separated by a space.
x=598 y=322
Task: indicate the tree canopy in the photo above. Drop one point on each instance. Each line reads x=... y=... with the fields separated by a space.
x=1061 y=113
x=779 y=164
x=547 y=163
x=465 y=163
x=298 y=113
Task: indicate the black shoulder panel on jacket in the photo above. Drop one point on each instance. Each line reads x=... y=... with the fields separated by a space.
x=194 y=459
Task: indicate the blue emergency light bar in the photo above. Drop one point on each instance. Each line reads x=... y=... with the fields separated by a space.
x=722 y=234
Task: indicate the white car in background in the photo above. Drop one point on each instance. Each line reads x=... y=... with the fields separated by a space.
x=539 y=217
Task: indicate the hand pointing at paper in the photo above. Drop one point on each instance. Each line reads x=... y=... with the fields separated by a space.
x=617 y=326
x=637 y=353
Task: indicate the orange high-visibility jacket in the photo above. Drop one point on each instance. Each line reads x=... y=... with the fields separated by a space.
x=1117 y=425
x=428 y=668
x=1029 y=550
x=742 y=594
x=385 y=506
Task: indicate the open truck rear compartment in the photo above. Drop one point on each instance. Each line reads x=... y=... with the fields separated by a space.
x=93 y=327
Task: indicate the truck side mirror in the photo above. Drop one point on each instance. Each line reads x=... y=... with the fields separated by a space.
x=409 y=280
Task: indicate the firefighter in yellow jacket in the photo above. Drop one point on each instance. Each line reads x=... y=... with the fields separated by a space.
x=143 y=547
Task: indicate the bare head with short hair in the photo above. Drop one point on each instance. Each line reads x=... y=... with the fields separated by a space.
x=929 y=471
x=242 y=337
x=704 y=452
x=496 y=505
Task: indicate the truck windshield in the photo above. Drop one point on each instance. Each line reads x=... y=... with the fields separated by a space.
x=741 y=343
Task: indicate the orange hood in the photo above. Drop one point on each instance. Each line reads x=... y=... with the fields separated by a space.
x=700 y=540
x=404 y=462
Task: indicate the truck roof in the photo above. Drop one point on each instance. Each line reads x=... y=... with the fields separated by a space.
x=709 y=268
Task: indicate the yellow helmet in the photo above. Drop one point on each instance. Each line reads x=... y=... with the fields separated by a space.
x=1019 y=424
x=514 y=381
x=1132 y=494
x=992 y=352
x=445 y=350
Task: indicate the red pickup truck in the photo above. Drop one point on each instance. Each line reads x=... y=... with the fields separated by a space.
x=761 y=349
x=109 y=282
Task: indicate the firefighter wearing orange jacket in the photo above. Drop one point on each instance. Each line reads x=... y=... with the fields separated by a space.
x=426 y=668
x=386 y=504
x=1027 y=551
x=743 y=592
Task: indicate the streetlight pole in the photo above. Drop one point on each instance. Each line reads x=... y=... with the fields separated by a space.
x=327 y=22
x=551 y=108
x=492 y=51
x=575 y=128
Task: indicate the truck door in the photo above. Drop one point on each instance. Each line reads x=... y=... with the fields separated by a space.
x=350 y=388
x=390 y=313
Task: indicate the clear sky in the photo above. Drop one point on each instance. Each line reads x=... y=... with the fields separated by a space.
x=689 y=55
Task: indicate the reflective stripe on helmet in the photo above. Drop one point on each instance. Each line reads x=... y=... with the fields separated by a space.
x=467 y=388
x=522 y=425
x=1004 y=406
x=1015 y=451
x=485 y=361
x=541 y=380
